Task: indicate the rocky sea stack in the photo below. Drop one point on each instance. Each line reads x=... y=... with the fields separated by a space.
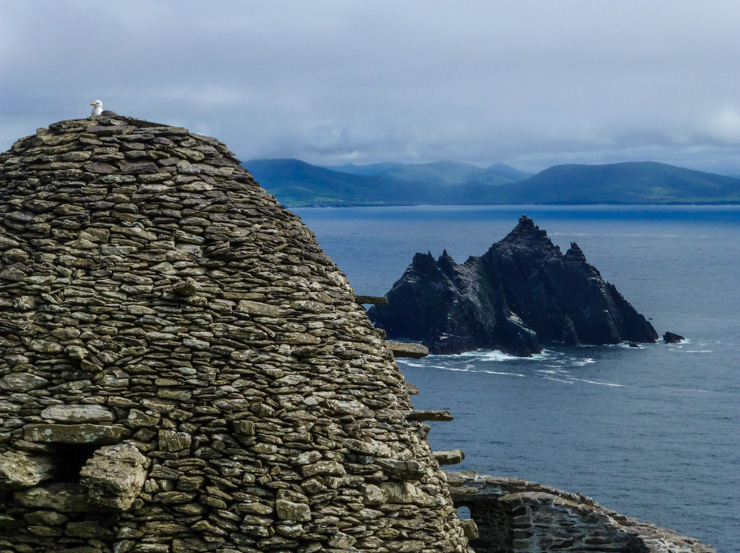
x=521 y=293
x=183 y=369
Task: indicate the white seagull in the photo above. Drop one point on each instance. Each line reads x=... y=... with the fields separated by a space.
x=98 y=109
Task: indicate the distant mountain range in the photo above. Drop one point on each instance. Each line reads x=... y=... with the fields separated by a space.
x=296 y=183
x=444 y=173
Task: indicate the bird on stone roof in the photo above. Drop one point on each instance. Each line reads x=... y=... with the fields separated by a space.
x=98 y=109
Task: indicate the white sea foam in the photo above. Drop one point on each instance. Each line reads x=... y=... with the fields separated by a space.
x=504 y=373
x=613 y=384
x=485 y=355
x=583 y=362
x=497 y=356
x=561 y=380
x=431 y=366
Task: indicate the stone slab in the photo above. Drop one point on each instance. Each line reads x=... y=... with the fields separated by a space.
x=75 y=433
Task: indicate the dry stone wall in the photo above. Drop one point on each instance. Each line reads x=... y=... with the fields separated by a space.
x=182 y=369
x=517 y=516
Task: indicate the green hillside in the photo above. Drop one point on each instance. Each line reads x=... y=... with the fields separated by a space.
x=515 y=175
x=369 y=169
x=296 y=183
x=444 y=173
x=622 y=183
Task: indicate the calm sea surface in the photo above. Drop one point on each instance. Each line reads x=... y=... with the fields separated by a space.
x=652 y=432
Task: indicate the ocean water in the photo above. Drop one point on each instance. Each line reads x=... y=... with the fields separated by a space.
x=652 y=432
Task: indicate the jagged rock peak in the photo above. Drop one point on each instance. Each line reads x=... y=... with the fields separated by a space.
x=523 y=291
x=526 y=227
x=183 y=369
x=575 y=254
x=445 y=262
x=525 y=237
x=526 y=222
x=424 y=262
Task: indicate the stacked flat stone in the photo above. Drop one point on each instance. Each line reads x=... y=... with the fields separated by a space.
x=182 y=368
x=518 y=516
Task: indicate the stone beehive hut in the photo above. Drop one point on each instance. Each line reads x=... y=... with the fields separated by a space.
x=182 y=368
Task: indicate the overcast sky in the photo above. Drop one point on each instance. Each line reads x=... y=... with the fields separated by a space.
x=528 y=83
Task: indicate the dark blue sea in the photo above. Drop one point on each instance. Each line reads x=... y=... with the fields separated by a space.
x=652 y=432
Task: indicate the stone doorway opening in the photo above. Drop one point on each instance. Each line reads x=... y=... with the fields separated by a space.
x=69 y=460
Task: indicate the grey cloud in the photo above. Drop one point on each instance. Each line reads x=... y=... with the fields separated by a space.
x=531 y=83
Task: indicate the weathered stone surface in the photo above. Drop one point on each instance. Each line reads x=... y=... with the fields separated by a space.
x=288 y=510
x=257 y=308
x=88 y=529
x=77 y=413
x=403 y=492
x=401 y=470
x=519 y=294
x=422 y=415
x=74 y=433
x=170 y=440
x=20 y=470
x=470 y=528
x=22 y=382
x=449 y=457
x=114 y=476
x=63 y=498
x=374 y=495
x=244 y=427
x=343 y=541
x=513 y=515
x=408 y=349
x=138 y=419
x=323 y=467
x=187 y=287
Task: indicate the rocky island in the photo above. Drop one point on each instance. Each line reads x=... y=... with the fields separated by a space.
x=522 y=292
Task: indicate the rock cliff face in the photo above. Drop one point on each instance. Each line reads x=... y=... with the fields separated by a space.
x=522 y=292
